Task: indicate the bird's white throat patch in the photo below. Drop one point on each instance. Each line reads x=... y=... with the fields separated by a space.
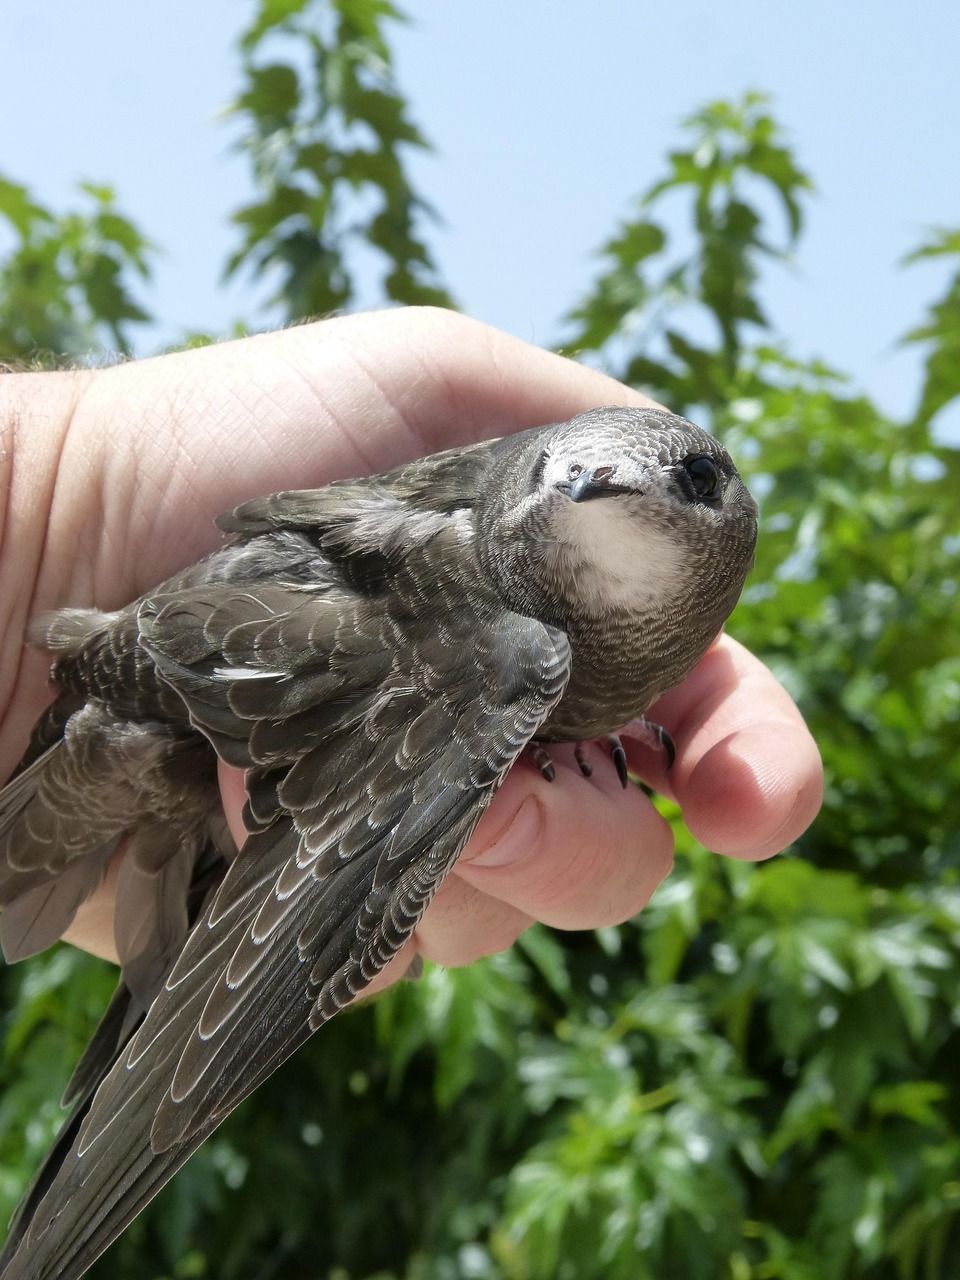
x=616 y=556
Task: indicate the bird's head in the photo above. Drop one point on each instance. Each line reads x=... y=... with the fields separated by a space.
x=646 y=465
x=632 y=508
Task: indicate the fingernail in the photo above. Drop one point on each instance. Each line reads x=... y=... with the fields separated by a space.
x=516 y=839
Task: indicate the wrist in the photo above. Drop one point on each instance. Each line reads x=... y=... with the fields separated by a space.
x=36 y=410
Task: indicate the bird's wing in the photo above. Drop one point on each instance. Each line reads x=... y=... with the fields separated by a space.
x=121 y=1019
x=441 y=483
x=377 y=734
x=62 y=816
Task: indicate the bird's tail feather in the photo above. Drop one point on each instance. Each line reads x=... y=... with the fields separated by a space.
x=41 y=884
x=66 y=630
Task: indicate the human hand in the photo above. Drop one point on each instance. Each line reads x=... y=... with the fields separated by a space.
x=118 y=473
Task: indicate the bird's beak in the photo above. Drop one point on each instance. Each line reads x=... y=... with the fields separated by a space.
x=595 y=482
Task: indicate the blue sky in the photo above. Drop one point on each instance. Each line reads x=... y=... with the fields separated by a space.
x=547 y=117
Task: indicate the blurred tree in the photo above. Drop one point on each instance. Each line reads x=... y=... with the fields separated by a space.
x=753 y=1081
x=325 y=132
x=941 y=332
x=64 y=284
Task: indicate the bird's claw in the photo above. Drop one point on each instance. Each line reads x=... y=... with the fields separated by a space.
x=540 y=757
x=542 y=760
x=656 y=737
x=648 y=732
x=619 y=758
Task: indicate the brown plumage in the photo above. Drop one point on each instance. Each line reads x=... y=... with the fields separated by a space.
x=376 y=654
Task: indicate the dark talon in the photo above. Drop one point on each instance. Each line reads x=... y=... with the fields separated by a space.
x=580 y=755
x=619 y=757
x=656 y=737
x=541 y=758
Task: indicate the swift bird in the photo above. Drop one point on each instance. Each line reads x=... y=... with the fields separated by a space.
x=376 y=654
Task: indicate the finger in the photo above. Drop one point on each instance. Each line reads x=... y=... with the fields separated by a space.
x=748 y=775
x=576 y=853
x=464 y=923
x=441 y=379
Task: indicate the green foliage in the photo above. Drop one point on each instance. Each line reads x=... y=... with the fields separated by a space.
x=756 y=1079
x=64 y=286
x=941 y=331
x=325 y=134
x=645 y=297
x=51 y=1006
x=837 y=985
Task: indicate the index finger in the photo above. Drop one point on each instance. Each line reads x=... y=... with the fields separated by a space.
x=748 y=775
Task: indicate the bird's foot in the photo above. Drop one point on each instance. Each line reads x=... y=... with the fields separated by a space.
x=656 y=737
x=543 y=761
x=646 y=732
x=617 y=755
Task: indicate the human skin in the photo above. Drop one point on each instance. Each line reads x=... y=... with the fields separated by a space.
x=110 y=480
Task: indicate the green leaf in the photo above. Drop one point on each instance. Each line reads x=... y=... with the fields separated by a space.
x=272 y=96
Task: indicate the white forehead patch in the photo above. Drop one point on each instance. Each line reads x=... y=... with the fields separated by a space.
x=615 y=556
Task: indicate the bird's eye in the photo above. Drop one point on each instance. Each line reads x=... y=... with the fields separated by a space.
x=704 y=477
x=574 y=470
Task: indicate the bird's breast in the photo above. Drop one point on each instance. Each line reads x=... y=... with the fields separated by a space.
x=623 y=664
x=611 y=557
